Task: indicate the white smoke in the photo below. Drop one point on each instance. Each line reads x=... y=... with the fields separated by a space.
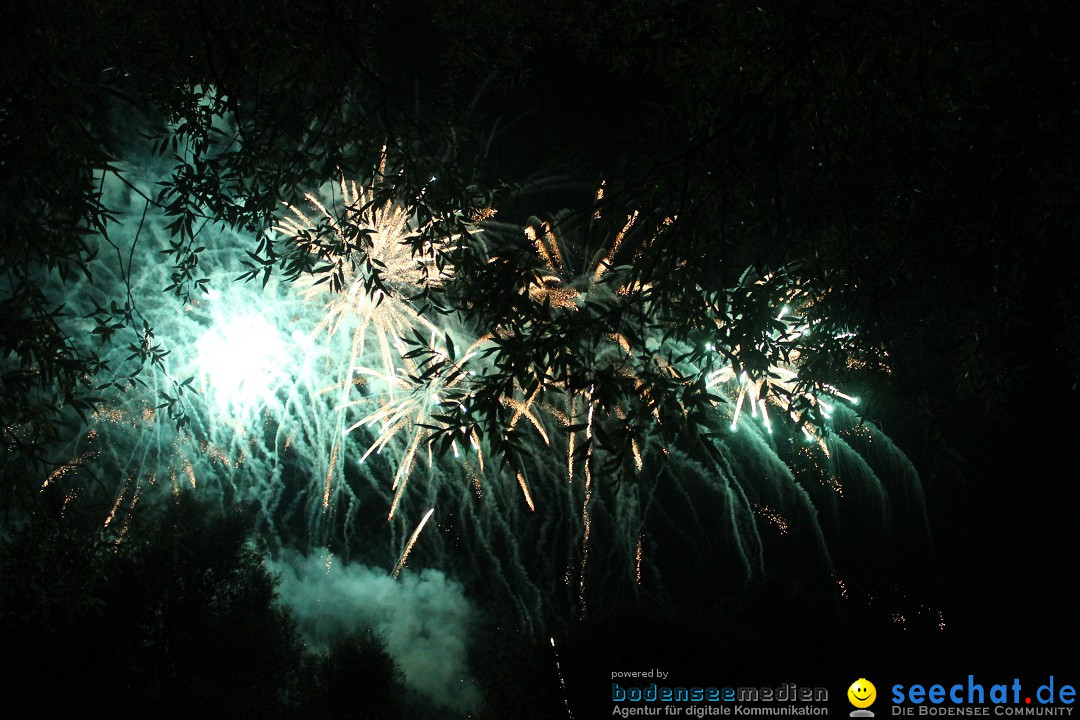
x=423 y=617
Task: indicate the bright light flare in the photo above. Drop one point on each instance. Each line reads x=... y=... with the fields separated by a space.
x=242 y=359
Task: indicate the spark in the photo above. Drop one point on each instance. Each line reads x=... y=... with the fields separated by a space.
x=585 y=516
x=637 y=557
x=414 y=394
x=327 y=484
x=773 y=516
x=116 y=505
x=781 y=380
x=69 y=496
x=373 y=268
x=609 y=260
x=377 y=261
x=562 y=680
x=525 y=491
x=412 y=541
x=69 y=467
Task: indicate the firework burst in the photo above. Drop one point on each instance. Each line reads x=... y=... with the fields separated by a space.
x=376 y=262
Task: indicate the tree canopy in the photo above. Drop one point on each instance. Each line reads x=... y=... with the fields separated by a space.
x=895 y=163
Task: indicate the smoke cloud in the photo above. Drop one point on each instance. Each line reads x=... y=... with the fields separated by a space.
x=424 y=617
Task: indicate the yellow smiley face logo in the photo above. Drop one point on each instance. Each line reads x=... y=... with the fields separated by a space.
x=862 y=693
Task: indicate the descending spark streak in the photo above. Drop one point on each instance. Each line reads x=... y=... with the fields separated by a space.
x=637 y=557
x=116 y=505
x=128 y=516
x=525 y=491
x=562 y=680
x=639 y=462
x=69 y=466
x=609 y=260
x=635 y=448
x=571 y=441
x=412 y=541
x=585 y=517
x=414 y=408
x=401 y=478
x=329 y=476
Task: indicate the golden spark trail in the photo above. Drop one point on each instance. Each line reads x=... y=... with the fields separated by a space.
x=562 y=680
x=412 y=541
x=637 y=556
x=586 y=519
x=525 y=491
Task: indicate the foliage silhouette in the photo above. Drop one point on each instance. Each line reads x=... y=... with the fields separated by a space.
x=173 y=616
